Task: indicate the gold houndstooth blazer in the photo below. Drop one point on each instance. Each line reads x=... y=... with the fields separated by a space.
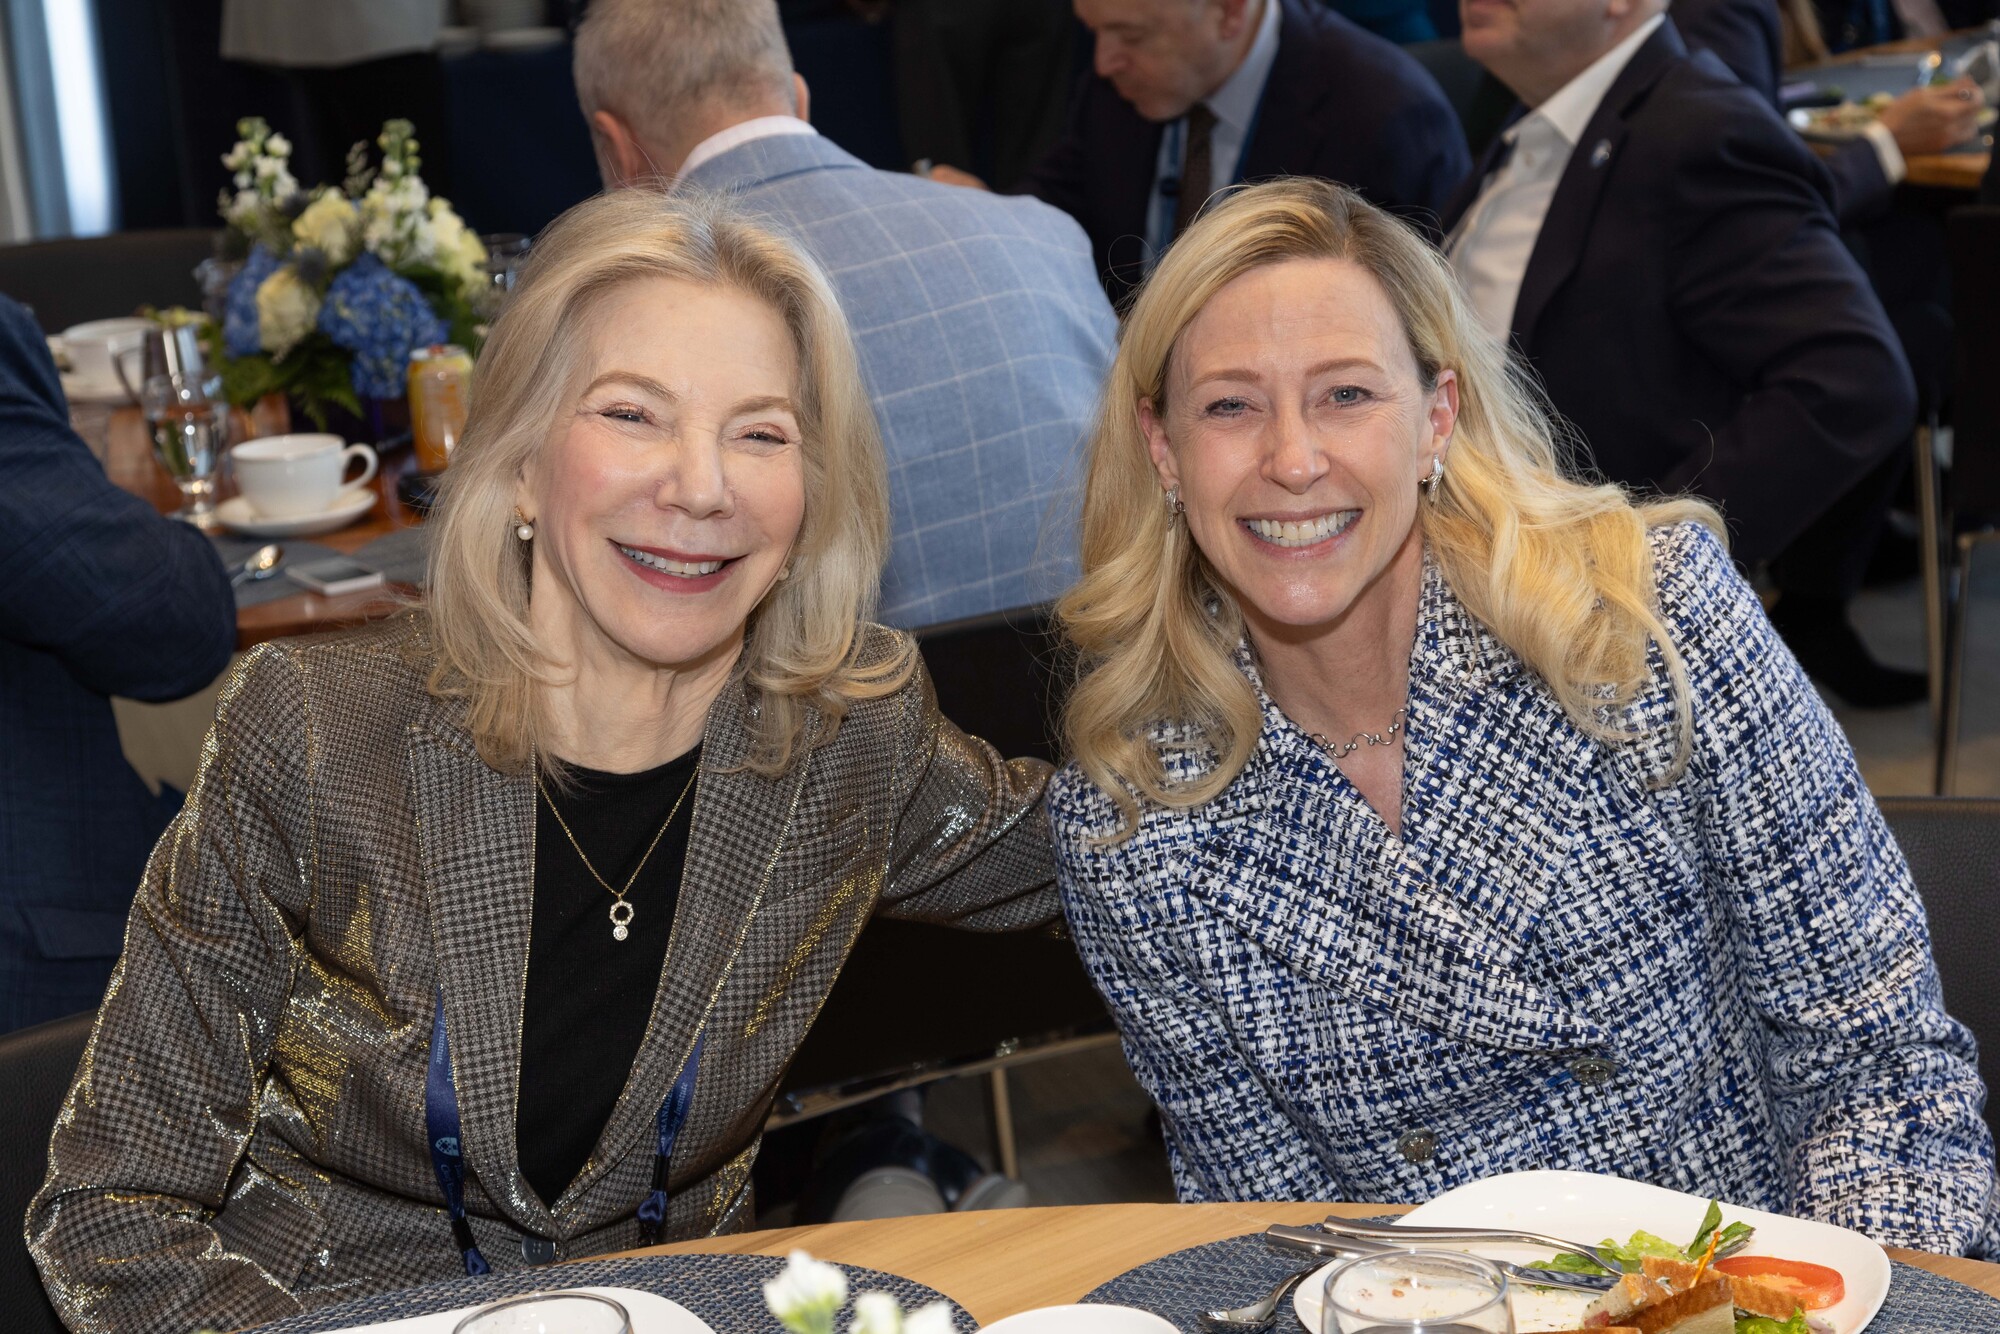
x=245 y=1136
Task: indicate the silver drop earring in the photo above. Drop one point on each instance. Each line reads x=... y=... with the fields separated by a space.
x=1437 y=475
x=1174 y=506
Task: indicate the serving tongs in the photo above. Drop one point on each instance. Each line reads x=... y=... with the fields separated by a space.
x=1314 y=1242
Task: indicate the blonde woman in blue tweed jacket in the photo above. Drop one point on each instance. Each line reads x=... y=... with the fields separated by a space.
x=1434 y=816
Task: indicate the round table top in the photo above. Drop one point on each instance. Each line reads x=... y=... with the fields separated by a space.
x=998 y=1262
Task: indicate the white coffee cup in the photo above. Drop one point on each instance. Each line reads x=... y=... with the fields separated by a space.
x=293 y=476
x=93 y=348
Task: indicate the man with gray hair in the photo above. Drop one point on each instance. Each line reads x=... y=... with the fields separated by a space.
x=982 y=332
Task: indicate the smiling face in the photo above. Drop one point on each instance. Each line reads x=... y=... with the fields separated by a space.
x=1163 y=56
x=669 y=493
x=1297 y=428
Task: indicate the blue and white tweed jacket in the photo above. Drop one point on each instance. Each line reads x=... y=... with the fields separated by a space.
x=1724 y=985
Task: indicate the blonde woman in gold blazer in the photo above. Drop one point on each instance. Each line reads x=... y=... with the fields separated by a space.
x=661 y=533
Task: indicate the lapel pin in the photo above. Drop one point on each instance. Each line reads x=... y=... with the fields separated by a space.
x=1600 y=154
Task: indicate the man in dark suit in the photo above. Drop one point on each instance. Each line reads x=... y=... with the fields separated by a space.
x=101 y=596
x=1746 y=36
x=1660 y=247
x=1190 y=96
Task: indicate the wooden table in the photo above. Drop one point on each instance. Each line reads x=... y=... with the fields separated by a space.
x=1948 y=171
x=129 y=462
x=1002 y=1261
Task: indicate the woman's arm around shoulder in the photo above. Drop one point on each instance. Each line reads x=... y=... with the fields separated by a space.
x=1875 y=1087
x=970 y=845
x=1227 y=1137
x=164 y=1100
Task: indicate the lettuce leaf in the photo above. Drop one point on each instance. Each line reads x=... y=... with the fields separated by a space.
x=1761 y=1324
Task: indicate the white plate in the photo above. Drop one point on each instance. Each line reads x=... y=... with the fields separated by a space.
x=1585 y=1207
x=79 y=390
x=238 y=517
x=650 y=1315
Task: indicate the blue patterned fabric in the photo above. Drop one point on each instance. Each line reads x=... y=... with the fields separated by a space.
x=1723 y=985
x=983 y=337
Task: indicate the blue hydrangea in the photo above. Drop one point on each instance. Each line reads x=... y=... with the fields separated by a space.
x=378 y=317
x=239 y=319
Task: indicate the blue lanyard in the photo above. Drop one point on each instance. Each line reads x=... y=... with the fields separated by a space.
x=441 y=1124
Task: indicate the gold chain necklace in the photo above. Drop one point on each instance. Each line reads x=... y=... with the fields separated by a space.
x=621 y=911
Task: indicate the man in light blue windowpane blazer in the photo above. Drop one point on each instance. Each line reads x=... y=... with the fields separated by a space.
x=982 y=330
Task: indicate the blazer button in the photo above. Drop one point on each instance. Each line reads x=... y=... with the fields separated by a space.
x=538 y=1250
x=1419 y=1146
x=1590 y=1071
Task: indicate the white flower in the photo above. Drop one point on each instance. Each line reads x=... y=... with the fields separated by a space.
x=805 y=1294
x=268 y=167
x=332 y=225
x=876 y=1313
x=278 y=146
x=934 y=1318
x=287 y=310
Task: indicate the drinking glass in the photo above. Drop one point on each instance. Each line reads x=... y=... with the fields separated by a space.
x=549 y=1313
x=189 y=422
x=1416 y=1292
x=506 y=252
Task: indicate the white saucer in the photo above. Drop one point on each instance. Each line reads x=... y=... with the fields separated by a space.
x=79 y=390
x=238 y=517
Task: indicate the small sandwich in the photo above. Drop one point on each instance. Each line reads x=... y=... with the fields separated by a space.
x=1749 y=1294
x=1639 y=1303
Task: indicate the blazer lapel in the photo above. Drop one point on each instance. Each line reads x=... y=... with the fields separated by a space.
x=1289 y=127
x=1468 y=189
x=476 y=834
x=741 y=823
x=1566 y=229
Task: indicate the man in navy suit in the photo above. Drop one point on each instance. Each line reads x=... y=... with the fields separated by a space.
x=1188 y=97
x=100 y=596
x=1746 y=36
x=1661 y=248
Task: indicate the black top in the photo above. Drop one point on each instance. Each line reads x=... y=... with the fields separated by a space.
x=590 y=995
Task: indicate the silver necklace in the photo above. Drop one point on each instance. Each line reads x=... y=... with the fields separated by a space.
x=1341 y=750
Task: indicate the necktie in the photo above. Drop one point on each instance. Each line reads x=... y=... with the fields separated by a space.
x=1195 y=183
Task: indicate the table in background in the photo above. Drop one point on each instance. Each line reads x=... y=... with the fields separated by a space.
x=1001 y=1261
x=1948 y=171
x=129 y=462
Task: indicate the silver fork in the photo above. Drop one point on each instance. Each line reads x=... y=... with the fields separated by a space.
x=1259 y=1312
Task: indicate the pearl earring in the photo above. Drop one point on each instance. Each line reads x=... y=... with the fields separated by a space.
x=525 y=529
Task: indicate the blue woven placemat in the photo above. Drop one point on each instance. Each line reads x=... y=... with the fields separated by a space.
x=1239 y=1270
x=727 y=1291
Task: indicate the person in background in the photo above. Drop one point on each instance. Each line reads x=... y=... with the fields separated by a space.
x=1187 y=97
x=1660 y=248
x=101 y=596
x=983 y=337
x=1433 y=815
x=1757 y=39
x=488 y=930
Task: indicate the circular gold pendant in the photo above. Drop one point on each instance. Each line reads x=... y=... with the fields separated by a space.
x=621 y=920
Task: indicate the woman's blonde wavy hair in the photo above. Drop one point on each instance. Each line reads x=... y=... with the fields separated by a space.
x=800 y=649
x=1560 y=571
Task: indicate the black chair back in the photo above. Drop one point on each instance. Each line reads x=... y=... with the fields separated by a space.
x=96 y=277
x=1953 y=846
x=1974 y=484
x=35 y=1069
x=914 y=997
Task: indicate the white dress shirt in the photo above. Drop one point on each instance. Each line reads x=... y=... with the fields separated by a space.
x=763 y=127
x=1235 y=107
x=1492 y=244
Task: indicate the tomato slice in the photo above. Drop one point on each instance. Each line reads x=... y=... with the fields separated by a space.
x=1815 y=1287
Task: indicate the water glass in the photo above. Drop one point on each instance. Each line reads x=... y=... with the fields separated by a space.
x=1416 y=1292
x=549 y=1313
x=190 y=424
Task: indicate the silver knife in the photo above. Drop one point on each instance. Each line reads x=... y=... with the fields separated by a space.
x=1321 y=1243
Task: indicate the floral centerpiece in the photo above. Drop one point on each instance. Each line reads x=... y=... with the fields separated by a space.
x=339 y=283
x=808 y=1293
